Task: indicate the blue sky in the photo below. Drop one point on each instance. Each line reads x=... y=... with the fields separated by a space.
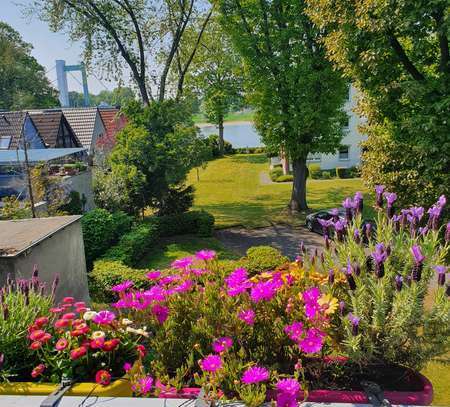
x=48 y=46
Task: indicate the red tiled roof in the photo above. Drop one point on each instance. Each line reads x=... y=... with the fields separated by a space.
x=114 y=121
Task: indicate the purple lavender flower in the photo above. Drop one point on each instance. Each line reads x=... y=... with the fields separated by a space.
x=416 y=212
x=379 y=189
x=358 y=202
x=423 y=231
x=391 y=197
x=398 y=282
x=339 y=227
x=357 y=269
x=368 y=231
x=335 y=214
x=350 y=279
x=418 y=260
x=441 y=270
x=331 y=276
x=447 y=233
x=342 y=307
x=348 y=206
x=379 y=256
x=325 y=225
x=357 y=236
x=442 y=201
x=355 y=323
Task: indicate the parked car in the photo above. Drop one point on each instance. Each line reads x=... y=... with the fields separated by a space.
x=312 y=220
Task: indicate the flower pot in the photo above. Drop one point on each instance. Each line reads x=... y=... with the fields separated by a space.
x=118 y=388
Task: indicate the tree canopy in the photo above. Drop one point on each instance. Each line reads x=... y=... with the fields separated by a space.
x=23 y=84
x=397 y=54
x=297 y=94
x=142 y=37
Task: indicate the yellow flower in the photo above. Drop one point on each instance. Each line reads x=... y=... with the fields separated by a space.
x=328 y=303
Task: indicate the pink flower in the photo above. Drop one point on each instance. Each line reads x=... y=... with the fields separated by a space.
x=205 y=255
x=183 y=263
x=313 y=341
x=169 y=279
x=103 y=377
x=294 y=331
x=38 y=370
x=155 y=293
x=153 y=275
x=288 y=392
x=61 y=344
x=184 y=286
x=311 y=310
x=222 y=344
x=68 y=300
x=56 y=310
x=199 y=272
x=264 y=290
x=69 y=315
x=211 y=363
x=161 y=312
x=124 y=286
x=104 y=317
x=143 y=386
x=255 y=374
x=248 y=316
x=127 y=367
x=237 y=282
x=311 y=295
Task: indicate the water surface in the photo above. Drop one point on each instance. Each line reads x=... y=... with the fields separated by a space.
x=239 y=134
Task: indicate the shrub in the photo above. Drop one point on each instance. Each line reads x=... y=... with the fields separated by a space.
x=326 y=175
x=108 y=273
x=200 y=223
x=314 y=171
x=285 y=178
x=101 y=229
x=353 y=172
x=74 y=205
x=23 y=306
x=262 y=258
x=178 y=200
x=341 y=172
x=275 y=173
x=134 y=245
x=213 y=141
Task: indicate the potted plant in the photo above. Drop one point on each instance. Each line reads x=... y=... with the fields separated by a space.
x=352 y=314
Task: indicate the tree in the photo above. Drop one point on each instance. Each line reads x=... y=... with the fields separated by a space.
x=397 y=54
x=23 y=84
x=152 y=156
x=217 y=76
x=297 y=94
x=118 y=33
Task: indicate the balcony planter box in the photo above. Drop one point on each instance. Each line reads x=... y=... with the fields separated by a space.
x=422 y=396
x=118 y=388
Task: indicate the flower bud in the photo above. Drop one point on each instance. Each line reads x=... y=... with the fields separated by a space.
x=331 y=276
x=398 y=282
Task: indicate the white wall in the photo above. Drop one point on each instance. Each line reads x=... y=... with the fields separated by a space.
x=352 y=139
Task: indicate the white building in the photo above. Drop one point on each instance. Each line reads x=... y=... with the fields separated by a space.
x=349 y=155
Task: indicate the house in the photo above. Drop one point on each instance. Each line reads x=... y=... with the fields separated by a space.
x=55 y=245
x=87 y=124
x=114 y=121
x=349 y=155
x=54 y=129
x=15 y=127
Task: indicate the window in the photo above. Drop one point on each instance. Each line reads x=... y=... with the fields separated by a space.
x=314 y=157
x=343 y=153
x=347 y=122
x=4 y=142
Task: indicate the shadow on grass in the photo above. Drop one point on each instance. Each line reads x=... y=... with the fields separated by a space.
x=249 y=158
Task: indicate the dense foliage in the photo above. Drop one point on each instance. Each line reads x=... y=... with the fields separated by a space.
x=151 y=159
x=101 y=229
x=297 y=93
x=23 y=84
x=397 y=54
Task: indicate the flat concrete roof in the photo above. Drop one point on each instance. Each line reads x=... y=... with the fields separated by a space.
x=19 y=235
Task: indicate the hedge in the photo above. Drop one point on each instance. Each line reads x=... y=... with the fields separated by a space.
x=275 y=173
x=134 y=245
x=314 y=171
x=262 y=258
x=108 y=273
x=285 y=178
x=101 y=229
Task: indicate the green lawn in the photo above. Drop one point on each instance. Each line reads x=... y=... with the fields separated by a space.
x=230 y=117
x=231 y=190
x=176 y=247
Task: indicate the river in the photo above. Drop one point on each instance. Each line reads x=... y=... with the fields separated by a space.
x=239 y=134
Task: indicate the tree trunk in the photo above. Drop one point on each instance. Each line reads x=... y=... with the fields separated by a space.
x=221 y=141
x=143 y=90
x=298 y=197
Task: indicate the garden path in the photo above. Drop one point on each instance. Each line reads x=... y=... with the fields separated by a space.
x=283 y=237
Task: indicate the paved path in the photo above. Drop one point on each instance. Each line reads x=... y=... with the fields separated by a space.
x=264 y=178
x=283 y=237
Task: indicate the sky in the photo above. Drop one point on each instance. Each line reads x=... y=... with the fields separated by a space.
x=48 y=46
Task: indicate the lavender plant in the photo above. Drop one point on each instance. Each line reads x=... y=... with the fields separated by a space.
x=394 y=307
x=21 y=302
